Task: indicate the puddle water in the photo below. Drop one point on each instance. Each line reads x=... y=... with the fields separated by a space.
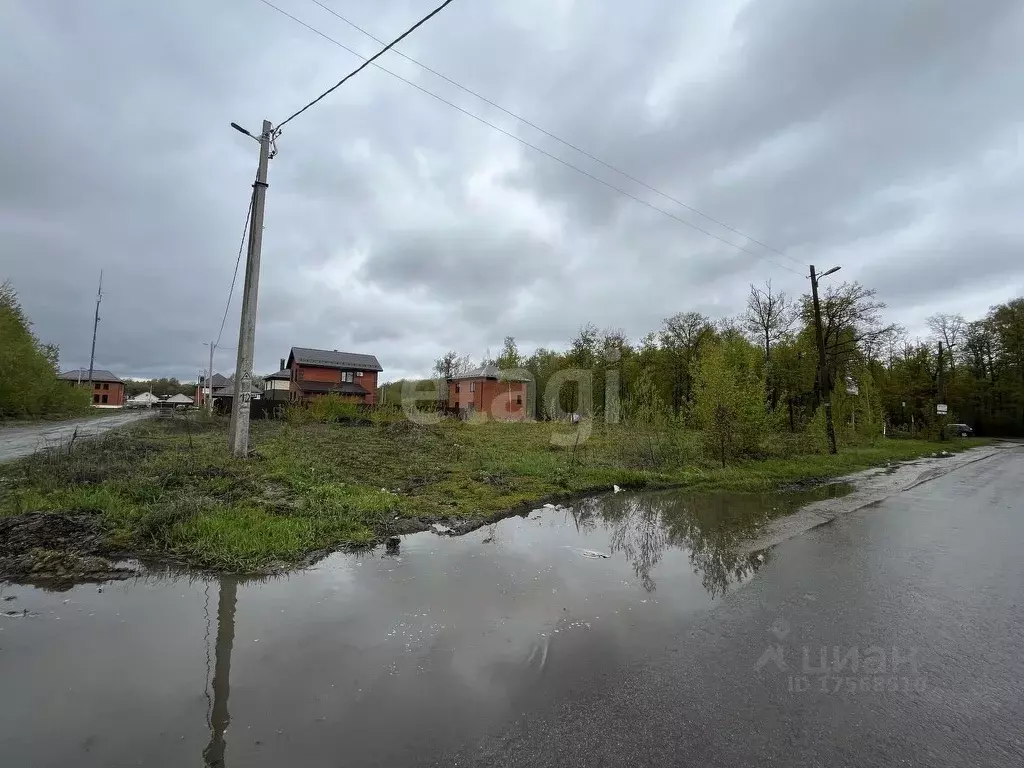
x=373 y=659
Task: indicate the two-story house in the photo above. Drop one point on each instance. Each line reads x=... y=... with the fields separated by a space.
x=501 y=395
x=106 y=388
x=316 y=372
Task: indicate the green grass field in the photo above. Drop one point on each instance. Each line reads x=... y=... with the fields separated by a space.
x=169 y=489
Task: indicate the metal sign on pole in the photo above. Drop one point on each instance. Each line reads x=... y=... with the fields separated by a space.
x=941 y=409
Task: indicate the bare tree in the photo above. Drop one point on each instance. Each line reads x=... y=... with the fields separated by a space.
x=451 y=364
x=769 y=317
x=682 y=336
x=851 y=319
x=949 y=329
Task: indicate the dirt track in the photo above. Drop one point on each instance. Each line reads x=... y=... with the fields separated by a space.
x=17 y=442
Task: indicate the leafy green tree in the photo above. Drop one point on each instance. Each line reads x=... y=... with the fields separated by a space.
x=729 y=399
x=28 y=369
x=509 y=357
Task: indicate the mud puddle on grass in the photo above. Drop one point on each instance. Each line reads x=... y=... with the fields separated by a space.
x=366 y=660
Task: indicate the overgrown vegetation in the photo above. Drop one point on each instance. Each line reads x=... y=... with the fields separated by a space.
x=168 y=488
x=29 y=386
x=875 y=373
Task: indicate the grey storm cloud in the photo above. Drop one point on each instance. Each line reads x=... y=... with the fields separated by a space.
x=877 y=135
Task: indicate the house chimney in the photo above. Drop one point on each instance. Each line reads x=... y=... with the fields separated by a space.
x=282 y=365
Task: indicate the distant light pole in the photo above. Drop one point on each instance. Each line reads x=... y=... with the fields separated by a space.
x=208 y=402
x=823 y=388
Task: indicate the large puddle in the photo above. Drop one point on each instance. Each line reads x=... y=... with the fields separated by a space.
x=362 y=660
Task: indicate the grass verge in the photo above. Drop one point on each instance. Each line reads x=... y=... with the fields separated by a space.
x=168 y=488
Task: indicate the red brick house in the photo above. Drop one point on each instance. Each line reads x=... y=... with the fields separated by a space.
x=107 y=389
x=316 y=372
x=487 y=389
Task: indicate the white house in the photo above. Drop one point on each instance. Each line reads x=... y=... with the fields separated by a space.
x=145 y=400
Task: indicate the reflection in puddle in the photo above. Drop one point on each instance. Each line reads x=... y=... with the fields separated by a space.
x=217 y=716
x=375 y=657
x=709 y=525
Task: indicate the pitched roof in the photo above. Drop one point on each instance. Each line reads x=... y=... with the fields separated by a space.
x=345 y=388
x=327 y=358
x=83 y=373
x=284 y=373
x=220 y=380
x=489 y=372
x=179 y=398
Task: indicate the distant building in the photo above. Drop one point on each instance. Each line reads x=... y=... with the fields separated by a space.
x=143 y=400
x=223 y=390
x=107 y=389
x=318 y=372
x=179 y=400
x=487 y=389
x=278 y=386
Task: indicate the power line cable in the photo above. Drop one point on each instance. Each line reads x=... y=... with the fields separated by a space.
x=560 y=140
x=368 y=62
x=238 y=261
x=534 y=147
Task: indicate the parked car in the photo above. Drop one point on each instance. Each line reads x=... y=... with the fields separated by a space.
x=961 y=430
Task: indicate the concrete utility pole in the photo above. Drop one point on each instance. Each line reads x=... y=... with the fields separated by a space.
x=823 y=388
x=219 y=715
x=238 y=435
x=95 y=325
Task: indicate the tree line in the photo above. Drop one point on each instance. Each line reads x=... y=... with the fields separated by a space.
x=29 y=385
x=739 y=376
x=159 y=387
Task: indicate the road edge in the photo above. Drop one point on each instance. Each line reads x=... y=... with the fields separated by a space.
x=824 y=512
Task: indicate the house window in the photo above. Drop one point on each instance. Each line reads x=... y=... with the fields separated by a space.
x=106 y=386
x=472 y=386
x=95 y=398
x=103 y=399
x=519 y=399
x=346 y=376
x=456 y=388
x=96 y=385
x=359 y=374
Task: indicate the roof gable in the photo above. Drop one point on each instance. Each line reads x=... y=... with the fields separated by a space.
x=489 y=372
x=83 y=374
x=327 y=358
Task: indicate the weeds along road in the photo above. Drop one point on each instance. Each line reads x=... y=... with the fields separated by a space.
x=17 y=442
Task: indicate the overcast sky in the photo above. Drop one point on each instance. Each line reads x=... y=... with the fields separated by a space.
x=880 y=135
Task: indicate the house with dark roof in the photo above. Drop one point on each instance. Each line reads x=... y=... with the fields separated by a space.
x=489 y=390
x=278 y=386
x=107 y=389
x=223 y=391
x=317 y=372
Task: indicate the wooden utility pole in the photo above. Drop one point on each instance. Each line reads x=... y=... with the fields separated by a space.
x=941 y=393
x=823 y=387
x=238 y=435
x=95 y=326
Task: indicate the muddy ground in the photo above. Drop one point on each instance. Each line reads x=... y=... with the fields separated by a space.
x=56 y=550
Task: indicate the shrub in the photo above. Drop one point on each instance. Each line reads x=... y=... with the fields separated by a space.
x=28 y=369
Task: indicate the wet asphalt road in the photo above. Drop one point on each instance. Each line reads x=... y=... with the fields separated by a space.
x=16 y=442
x=629 y=629
x=935 y=572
